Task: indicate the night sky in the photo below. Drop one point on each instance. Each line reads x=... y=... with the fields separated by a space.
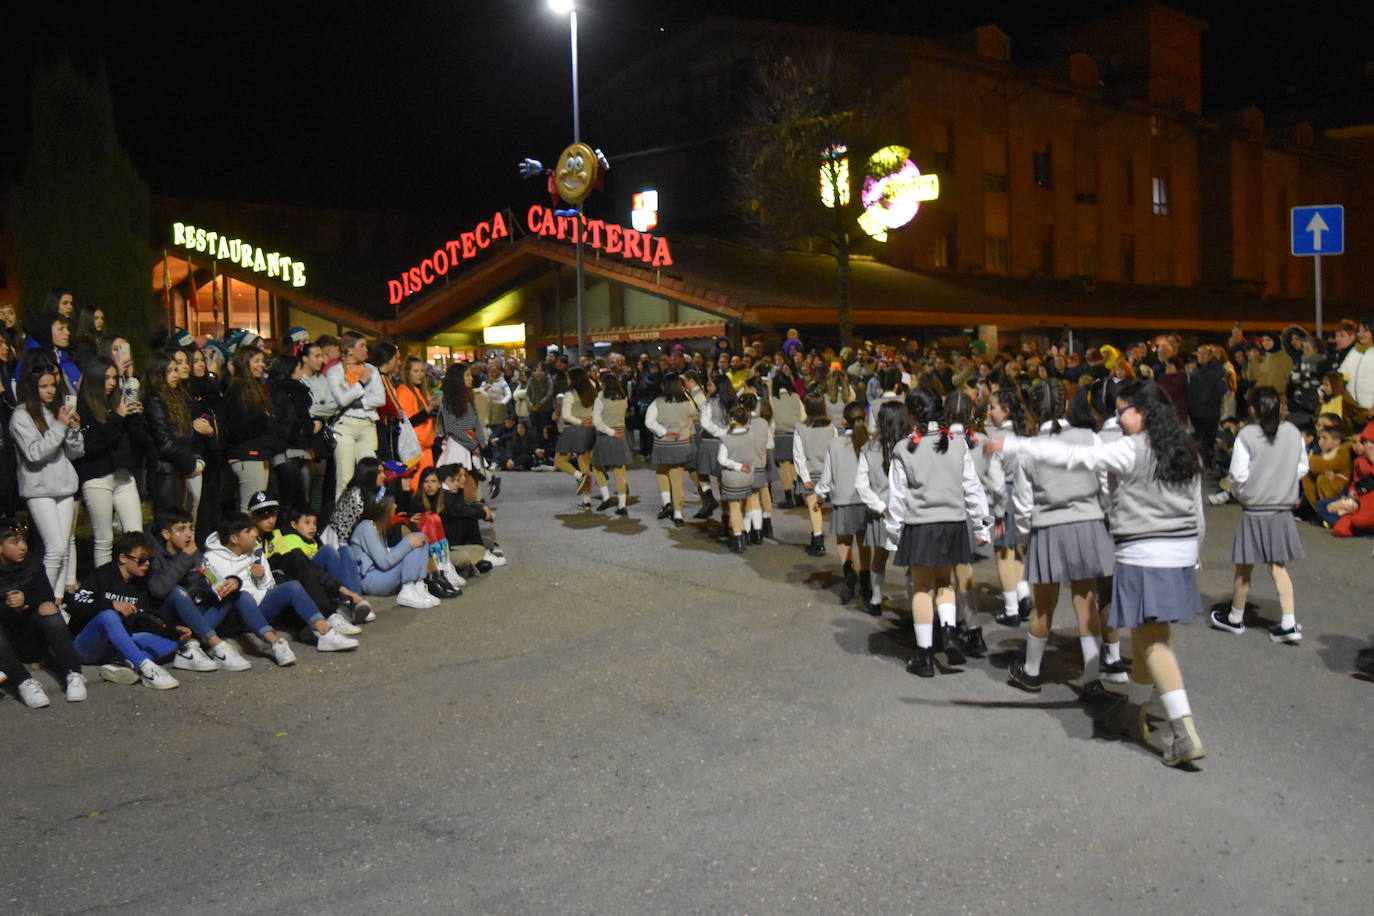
x=425 y=108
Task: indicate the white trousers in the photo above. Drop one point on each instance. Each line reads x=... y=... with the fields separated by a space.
x=355 y=438
x=107 y=497
x=56 y=522
x=252 y=477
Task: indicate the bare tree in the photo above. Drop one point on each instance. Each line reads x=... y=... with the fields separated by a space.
x=808 y=113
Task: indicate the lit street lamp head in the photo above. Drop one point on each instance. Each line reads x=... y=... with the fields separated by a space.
x=562 y=7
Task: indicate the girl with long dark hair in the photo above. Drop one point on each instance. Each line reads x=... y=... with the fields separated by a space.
x=172 y=427
x=1007 y=416
x=848 y=515
x=291 y=407
x=714 y=423
x=934 y=494
x=669 y=418
x=1158 y=525
x=787 y=413
x=1060 y=512
x=810 y=442
x=361 y=492
x=578 y=437
x=46 y=432
x=612 y=451
x=1268 y=463
x=737 y=454
x=464 y=436
x=959 y=416
x=252 y=431
x=115 y=440
x=872 y=481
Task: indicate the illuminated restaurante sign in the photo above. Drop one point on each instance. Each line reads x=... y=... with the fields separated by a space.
x=237 y=251
x=630 y=244
x=892 y=191
x=454 y=252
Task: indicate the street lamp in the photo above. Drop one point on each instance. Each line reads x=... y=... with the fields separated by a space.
x=569 y=8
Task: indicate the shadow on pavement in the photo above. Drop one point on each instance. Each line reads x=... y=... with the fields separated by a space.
x=1338 y=651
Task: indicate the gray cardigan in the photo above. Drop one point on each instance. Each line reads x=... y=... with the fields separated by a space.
x=45 y=459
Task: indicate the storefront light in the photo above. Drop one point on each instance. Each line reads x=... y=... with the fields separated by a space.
x=504 y=334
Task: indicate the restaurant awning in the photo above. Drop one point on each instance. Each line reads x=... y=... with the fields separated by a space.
x=676 y=331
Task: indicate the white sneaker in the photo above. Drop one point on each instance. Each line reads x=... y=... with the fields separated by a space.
x=156 y=676
x=341 y=624
x=410 y=596
x=191 y=657
x=281 y=652
x=31 y=692
x=333 y=641
x=76 y=687
x=122 y=673
x=228 y=658
x=451 y=575
x=362 y=611
x=495 y=559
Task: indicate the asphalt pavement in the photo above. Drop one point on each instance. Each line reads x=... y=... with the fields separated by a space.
x=629 y=719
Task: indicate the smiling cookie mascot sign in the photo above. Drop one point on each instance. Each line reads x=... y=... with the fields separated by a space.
x=580 y=170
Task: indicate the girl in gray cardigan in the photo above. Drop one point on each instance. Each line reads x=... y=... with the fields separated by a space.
x=47 y=438
x=1268 y=464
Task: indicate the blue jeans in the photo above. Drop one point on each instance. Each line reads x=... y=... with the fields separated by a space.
x=105 y=638
x=202 y=620
x=1325 y=513
x=412 y=568
x=286 y=595
x=341 y=564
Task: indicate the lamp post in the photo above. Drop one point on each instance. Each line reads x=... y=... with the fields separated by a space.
x=569 y=7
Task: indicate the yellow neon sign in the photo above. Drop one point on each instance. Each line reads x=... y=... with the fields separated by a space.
x=236 y=251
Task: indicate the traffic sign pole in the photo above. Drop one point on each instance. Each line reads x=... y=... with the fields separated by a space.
x=1317 y=285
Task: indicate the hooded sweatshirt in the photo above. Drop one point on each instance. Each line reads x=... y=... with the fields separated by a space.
x=225 y=564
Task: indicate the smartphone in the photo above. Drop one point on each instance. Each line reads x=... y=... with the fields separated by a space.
x=70 y=402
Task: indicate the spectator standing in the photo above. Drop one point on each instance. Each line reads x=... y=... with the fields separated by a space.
x=1206 y=389
x=357 y=389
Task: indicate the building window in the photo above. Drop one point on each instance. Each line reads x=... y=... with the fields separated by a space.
x=995 y=162
x=1047 y=252
x=1044 y=168
x=1128 y=259
x=997 y=259
x=941 y=258
x=942 y=147
x=1128 y=179
x=1159 y=195
x=1164 y=268
x=1087 y=260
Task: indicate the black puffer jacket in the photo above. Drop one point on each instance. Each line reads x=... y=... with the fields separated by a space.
x=171 y=452
x=291 y=402
x=115 y=444
x=249 y=433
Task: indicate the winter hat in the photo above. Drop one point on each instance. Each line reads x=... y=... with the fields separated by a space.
x=181 y=338
x=260 y=502
x=297 y=335
x=219 y=348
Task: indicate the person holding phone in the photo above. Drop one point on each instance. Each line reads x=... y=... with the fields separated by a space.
x=172 y=431
x=115 y=437
x=47 y=438
x=357 y=389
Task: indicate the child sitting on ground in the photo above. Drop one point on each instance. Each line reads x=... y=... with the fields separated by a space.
x=287 y=556
x=30 y=624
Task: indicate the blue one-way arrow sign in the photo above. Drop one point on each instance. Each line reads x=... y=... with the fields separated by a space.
x=1318 y=230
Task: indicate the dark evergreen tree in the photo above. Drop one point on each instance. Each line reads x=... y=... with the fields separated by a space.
x=82 y=212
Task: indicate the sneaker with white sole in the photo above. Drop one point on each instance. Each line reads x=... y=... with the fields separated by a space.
x=1291 y=635
x=341 y=624
x=1115 y=672
x=451 y=575
x=156 y=676
x=121 y=673
x=228 y=658
x=411 y=596
x=1221 y=620
x=332 y=640
x=76 y=687
x=191 y=657
x=281 y=652
x=495 y=559
x=32 y=693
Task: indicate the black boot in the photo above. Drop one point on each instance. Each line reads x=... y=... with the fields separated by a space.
x=755 y=536
x=866 y=586
x=954 y=651
x=789 y=500
x=922 y=664
x=767 y=528
x=736 y=543
x=439 y=587
x=974 y=644
x=666 y=511
x=817 y=546
x=851 y=584
x=709 y=505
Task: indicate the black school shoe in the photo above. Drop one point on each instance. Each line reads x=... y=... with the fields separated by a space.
x=605 y=504
x=1024 y=608
x=622 y=511
x=974 y=644
x=736 y=543
x=817 y=546
x=767 y=528
x=1017 y=677
x=922 y=664
x=850 y=584
x=665 y=512
x=954 y=649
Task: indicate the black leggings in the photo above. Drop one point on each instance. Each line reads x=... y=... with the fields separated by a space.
x=26 y=634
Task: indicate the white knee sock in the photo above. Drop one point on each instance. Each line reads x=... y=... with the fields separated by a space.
x=605 y=492
x=667 y=497
x=1111 y=651
x=1175 y=704
x=1288 y=621
x=756 y=518
x=1023 y=589
x=925 y=635
x=1009 y=601
x=877 y=579
x=1035 y=651
x=1091 y=659
x=946 y=614
x=969 y=610
x=1236 y=617
x=620 y=500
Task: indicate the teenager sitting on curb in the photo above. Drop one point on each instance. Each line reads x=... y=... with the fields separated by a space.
x=30 y=624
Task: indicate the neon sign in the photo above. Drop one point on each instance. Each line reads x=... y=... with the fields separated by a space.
x=644 y=210
x=630 y=244
x=893 y=190
x=454 y=252
x=504 y=334
x=237 y=251
x=835 y=176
